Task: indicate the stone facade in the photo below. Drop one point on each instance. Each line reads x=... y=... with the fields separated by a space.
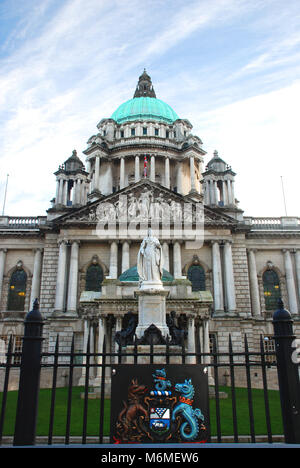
x=157 y=171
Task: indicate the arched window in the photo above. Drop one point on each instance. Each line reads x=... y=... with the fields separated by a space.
x=196 y=275
x=271 y=289
x=94 y=278
x=17 y=290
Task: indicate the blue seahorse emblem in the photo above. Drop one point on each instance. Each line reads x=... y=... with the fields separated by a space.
x=190 y=428
x=161 y=382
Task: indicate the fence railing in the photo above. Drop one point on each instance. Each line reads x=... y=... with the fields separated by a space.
x=236 y=363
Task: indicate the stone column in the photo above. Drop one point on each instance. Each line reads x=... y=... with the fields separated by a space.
x=86 y=329
x=74 y=193
x=179 y=177
x=65 y=193
x=216 y=195
x=101 y=334
x=109 y=175
x=125 y=256
x=117 y=328
x=192 y=174
x=191 y=348
x=97 y=173
x=61 y=277
x=73 y=278
x=152 y=168
x=225 y=193
x=206 y=193
x=79 y=191
x=167 y=172
x=254 y=289
x=88 y=166
x=232 y=192
x=206 y=350
x=2 y=267
x=57 y=192
x=229 y=278
x=113 y=263
x=290 y=282
x=297 y=260
x=229 y=194
x=137 y=169
x=60 y=191
x=177 y=260
x=211 y=192
x=36 y=277
x=166 y=258
x=217 y=279
x=122 y=173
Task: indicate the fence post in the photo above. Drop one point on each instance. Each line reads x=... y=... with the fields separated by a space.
x=288 y=377
x=29 y=383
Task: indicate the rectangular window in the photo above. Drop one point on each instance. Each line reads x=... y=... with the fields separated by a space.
x=144 y=130
x=269 y=347
x=156 y=131
x=122 y=133
x=133 y=132
x=213 y=344
x=167 y=133
x=17 y=344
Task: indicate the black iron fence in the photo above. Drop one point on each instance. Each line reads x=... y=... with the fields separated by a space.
x=241 y=365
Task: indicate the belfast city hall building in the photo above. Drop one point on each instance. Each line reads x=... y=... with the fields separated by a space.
x=223 y=271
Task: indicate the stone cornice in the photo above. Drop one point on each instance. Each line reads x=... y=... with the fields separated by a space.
x=272 y=234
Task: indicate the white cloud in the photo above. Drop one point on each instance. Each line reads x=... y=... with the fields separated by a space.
x=258 y=137
x=65 y=71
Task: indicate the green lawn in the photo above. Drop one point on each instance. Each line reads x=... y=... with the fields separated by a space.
x=94 y=413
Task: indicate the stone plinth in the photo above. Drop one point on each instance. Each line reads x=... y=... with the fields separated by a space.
x=152 y=310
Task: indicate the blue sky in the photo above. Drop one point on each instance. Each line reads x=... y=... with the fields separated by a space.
x=229 y=66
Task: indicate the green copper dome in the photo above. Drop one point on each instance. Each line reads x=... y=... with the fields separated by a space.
x=132 y=275
x=144 y=108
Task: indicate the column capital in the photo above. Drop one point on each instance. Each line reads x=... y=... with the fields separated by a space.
x=62 y=241
x=177 y=241
x=113 y=241
x=37 y=249
x=3 y=250
x=191 y=317
x=252 y=250
x=74 y=241
x=215 y=241
x=125 y=241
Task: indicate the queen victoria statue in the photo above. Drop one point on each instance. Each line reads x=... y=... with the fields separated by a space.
x=150 y=262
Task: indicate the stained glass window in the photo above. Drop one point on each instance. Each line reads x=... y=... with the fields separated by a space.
x=94 y=278
x=17 y=290
x=271 y=289
x=196 y=275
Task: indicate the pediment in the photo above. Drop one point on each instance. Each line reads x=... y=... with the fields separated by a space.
x=142 y=201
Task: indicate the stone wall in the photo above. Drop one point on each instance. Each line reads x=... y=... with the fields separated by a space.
x=49 y=272
x=241 y=278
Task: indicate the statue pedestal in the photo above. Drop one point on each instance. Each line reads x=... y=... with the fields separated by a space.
x=159 y=357
x=152 y=310
x=151 y=286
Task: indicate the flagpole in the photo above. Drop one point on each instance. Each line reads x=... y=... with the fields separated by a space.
x=283 y=196
x=4 y=202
